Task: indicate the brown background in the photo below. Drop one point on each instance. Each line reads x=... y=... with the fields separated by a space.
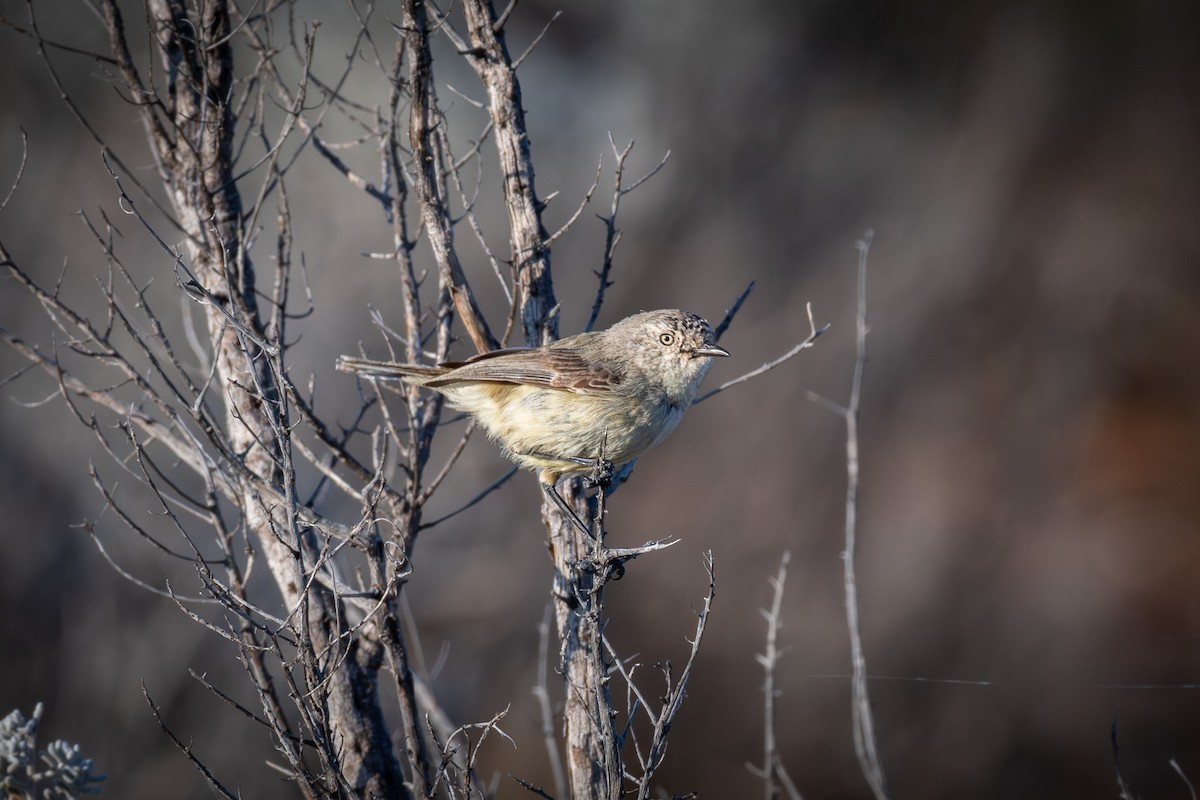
x=1030 y=432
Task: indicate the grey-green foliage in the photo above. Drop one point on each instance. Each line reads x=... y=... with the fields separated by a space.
x=57 y=773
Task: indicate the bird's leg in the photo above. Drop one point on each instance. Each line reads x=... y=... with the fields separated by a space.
x=549 y=489
x=601 y=475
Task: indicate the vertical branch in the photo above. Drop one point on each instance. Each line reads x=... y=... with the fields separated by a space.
x=488 y=55
x=593 y=754
x=402 y=241
x=772 y=771
x=1124 y=793
x=429 y=166
x=864 y=728
x=582 y=567
x=768 y=660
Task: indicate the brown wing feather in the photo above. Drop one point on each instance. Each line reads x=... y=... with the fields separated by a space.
x=504 y=351
x=553 y=367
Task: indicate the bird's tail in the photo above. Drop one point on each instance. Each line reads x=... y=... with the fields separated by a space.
x=388 y=370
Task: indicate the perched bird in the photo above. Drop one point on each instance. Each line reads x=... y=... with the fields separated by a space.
x=567 y=407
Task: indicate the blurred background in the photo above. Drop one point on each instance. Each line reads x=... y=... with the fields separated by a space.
x=1029 y=559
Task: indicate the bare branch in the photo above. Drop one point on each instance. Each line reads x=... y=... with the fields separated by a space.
x=772 y=770
x=864 y=726
x=719 y=331
x=20 y=171
x=612 y=236
x=530 y=252
x=814 y=332
x=675 y=694
x=502 y=20
x=429 y=156
x=491 y=487
x=1183 y=777
x=497 y=27
x=186 y=749
x=1123 y=789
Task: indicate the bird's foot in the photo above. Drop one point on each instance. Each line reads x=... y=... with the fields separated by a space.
x=601 y=475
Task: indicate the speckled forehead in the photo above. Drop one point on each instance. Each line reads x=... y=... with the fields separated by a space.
x=697 y=325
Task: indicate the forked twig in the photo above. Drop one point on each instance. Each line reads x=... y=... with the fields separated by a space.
x=814 y=332
x=772 y=770
x=658 y=745
x=612 y=235
x=865 y=746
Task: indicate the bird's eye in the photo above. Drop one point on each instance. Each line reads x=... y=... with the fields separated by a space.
x=667 y=338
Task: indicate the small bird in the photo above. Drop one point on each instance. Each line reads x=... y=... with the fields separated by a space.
x=570 y=406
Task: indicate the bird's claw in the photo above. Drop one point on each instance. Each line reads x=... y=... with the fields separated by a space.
x=601 y=475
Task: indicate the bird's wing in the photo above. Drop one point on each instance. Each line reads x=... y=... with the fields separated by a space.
x=558 y=367
x=505 y=351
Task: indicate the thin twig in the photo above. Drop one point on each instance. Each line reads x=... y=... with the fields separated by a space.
x=814 y=332
x=203 y=681
x=542 y=693
x=587 y=198
x=675 y=694
x=719 y=331
x=186 y=749
x=536 y=40
x=1179 y=771
x=864 y=727
x=772 y=770
x=20 y=170
x=493 y=486
x=612 y=235
x=532 y=788
x=1125 y=794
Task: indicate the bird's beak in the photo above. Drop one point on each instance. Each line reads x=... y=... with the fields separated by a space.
x=710 y=350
